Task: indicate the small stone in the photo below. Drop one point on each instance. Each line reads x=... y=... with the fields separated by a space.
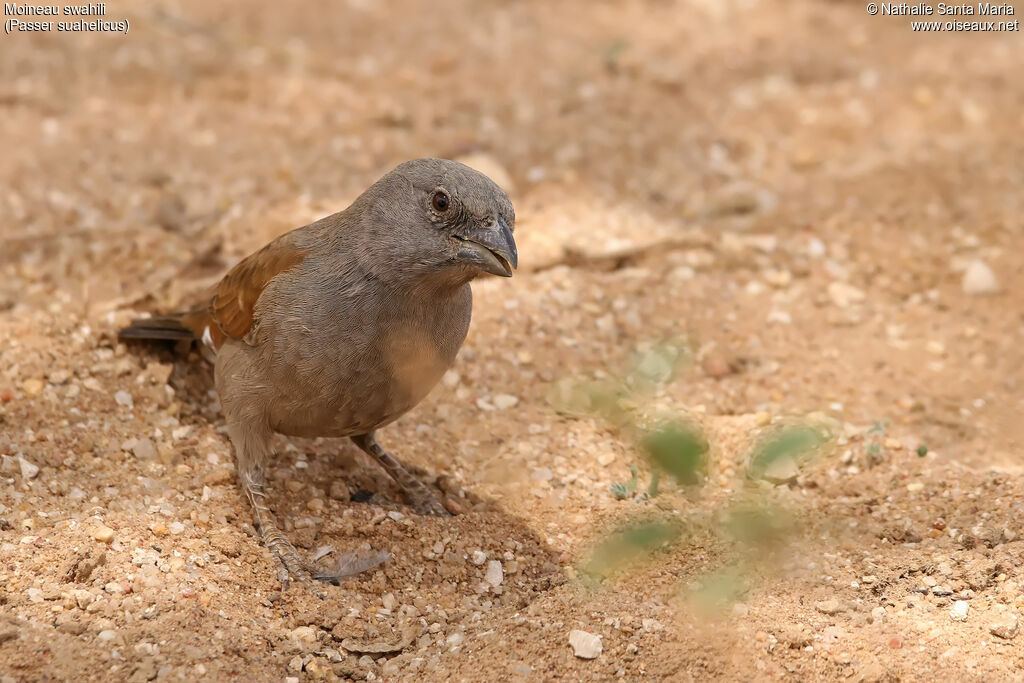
x=716 y=366
x=35 y=595
x=844 y=295
x=455 y=639
x=585 y=645
x=83 y=598
x=339 y=490
x=505 y=401
x=494 y=574
x=959 y=610
x=479 y=557
x=123 y=398
x=28 y=469
x=831 y=606
x=542 y=474
x=1004 y=627
x=303 y=638
x=107 y=635
x=979 y=279
x=176 y=528
x=315 y=505
x=295 y=664
x=32 y=386
x=143 y=449
x=103 y=534
x=58 y=377
x=159 y=529
x=780 y=470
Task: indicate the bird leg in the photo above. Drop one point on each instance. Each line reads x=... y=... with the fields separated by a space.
x=420 y=497
x=252 y=447
x=254 y=485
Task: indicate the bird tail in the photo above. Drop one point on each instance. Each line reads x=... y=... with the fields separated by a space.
x=173 y=326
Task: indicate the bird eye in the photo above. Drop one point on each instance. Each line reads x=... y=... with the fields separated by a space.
x=440 y=201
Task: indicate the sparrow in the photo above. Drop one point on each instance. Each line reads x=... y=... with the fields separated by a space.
x=338 y=328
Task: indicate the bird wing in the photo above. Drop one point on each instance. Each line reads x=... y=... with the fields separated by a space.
x=231 y=312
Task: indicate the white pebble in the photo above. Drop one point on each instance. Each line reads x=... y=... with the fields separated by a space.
x=843 y=294
x=124 y=398
x=959 y=610
x=585 y=645
x=28 y=470
x=979 y=279
x=505 y=401
x=479 y=557
x=494 y=574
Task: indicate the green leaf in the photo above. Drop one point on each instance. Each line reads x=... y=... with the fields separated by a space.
x=630 y=543
x=796 y=442
x=678 y=449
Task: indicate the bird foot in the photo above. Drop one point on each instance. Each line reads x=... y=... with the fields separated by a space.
x=426 y=503
x=292 y=564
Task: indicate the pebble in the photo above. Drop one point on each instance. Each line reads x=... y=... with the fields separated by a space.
x=28 y=469
x=844 y=295
x=780 y=470
x=176 y=527
x=505 y=401
x=303 y=638
x=1004 y=627
x=58 y=376
x=479 y=557
x=32 y=386
x=959 y=610
x=585 y=645
x=831 y=606
x=35 y=595
x=123 y=398
x=103 y=534
x=143 y=449
x=979 y=279
x=455 y=639
x=339 y=490
x=107 y=635
x=542 y=474
x=494 y=574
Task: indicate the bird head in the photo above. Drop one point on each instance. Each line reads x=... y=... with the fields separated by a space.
x=439 y=219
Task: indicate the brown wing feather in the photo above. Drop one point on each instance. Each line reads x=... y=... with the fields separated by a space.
x=234 y=301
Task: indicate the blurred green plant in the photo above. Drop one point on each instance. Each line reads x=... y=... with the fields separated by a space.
x=629 y=544
x=679 y=449
x=624 y=491
x=779 y=453
x=751 y=528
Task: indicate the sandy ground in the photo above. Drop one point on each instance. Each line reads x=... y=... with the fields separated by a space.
x=816 y=211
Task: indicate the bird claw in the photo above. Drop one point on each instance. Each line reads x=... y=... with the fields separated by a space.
x=428 y=504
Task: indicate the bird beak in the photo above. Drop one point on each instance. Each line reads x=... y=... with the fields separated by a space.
x=490 y=248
